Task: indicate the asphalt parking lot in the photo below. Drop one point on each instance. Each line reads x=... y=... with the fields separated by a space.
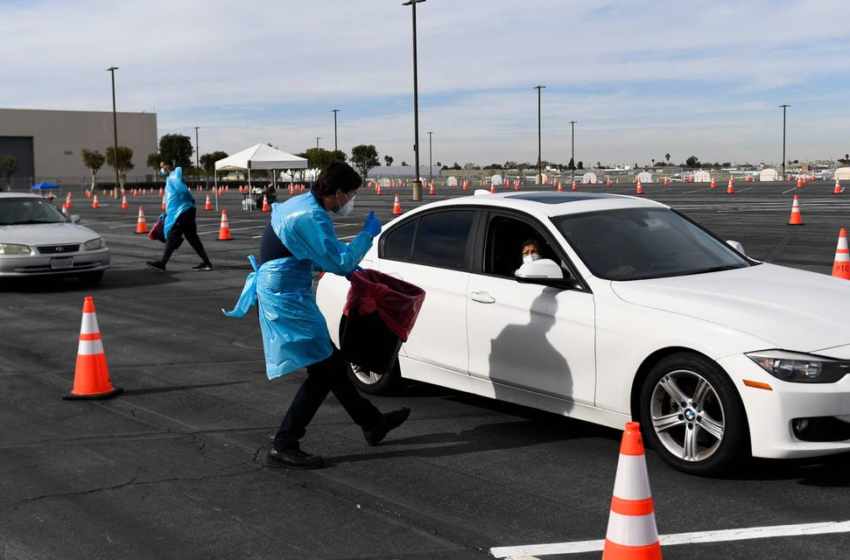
x=174 y=467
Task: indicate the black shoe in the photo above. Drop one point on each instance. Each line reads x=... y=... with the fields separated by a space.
x=293 y=459
x=389 y=421
x=156 y=265
x=203 y=266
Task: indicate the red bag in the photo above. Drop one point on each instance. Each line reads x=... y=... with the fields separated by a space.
x=395 y=301
x=157 y=232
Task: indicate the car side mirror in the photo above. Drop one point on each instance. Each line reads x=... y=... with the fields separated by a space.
x=545 y=272
x=736 y=245
x=75 y=219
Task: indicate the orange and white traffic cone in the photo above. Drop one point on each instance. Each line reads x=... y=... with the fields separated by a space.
x=608 y=182
x=841 y=266
x=68 y=200
x=266 y=207
x=396 y=207
x=378 y=190
x=91 y=377
x=632 y=532
x=516 y=185
x=574 y=187
x=163 y=203
x=796 y=217
x=224 y=230
x=713 y=183
x=431 y=191
x=560 y=188
x=95 y=203
x=639 y=189
x=492 y=189
x=666 y=181
x=731 y=188
x=208 y=204
x=124 y=203
x=799 y=183
x=161 y=191
x=141 y=226
x=837 y=189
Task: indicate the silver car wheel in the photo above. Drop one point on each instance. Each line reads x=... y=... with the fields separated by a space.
x=364 y=376
x=687 y=415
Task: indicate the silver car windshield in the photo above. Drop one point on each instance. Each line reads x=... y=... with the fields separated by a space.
x=641 y=243
x=19 y=211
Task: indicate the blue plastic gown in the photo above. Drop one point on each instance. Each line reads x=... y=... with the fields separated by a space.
x=178 y=199
x=295 y=334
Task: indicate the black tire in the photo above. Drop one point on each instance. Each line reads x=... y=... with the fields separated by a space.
x=686 y=436
x=91 y=279
x=375 y=384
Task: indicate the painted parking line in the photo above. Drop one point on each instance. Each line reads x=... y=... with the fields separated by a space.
x=681 y=538
x=232 y=229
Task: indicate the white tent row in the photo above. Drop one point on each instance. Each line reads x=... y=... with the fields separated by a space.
x=260 y=156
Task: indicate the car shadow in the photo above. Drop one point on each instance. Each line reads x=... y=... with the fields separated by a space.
x=822 y=472
x=155 y=390
x=112 y=279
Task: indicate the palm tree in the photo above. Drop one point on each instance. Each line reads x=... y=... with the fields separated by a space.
x=667 y=157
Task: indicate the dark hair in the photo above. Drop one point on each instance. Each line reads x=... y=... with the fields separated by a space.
x=168 y=162
x=531 y=241
x=337 y=176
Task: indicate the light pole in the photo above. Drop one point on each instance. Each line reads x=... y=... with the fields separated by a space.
x=430 y=159
x=334 y=111
x=197 y=156
x=573 y=150
x=784 y=108
x=539 y=139
x=317 y=141
x=417 y=184
x=112 y=69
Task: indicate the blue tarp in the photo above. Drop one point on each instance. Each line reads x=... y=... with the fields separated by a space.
x=42 y=186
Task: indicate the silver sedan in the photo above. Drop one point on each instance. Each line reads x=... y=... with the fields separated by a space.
x=36 y=239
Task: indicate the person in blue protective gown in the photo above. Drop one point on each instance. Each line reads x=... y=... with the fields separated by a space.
x=299 y=239
x=179 y=219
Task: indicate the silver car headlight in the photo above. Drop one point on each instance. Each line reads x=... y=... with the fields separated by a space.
x=95 y=244
x=14 y=249
x=800 y=368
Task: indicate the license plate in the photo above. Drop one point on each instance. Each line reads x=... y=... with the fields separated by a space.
x=65 y=262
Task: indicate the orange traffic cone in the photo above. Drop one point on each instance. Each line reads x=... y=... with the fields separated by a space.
x=431 y=191
x=68 y=200
x=396 y=207
x=266 y=207
x=799 y=183
x=796 y=217
x=492 y=189
x=574 y=187
x=666 y=181
x=560 y=189
x=378 y=190
x=91 y=378
x=163 y=203
x=141 y=226
x=713 y=183
x=95 y=203
x=632 y=533
x=208 y=204
x=516 y=185
x=124 y=203
x=465 y=187
x=224 y=230
x=841 y=266
x=837 y=189
x=161 y=191
x=639 y=189
x=608 y=182
x=731 y=188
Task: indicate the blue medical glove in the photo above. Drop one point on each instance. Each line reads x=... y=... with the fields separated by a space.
x=372 y=225
x=353 y=272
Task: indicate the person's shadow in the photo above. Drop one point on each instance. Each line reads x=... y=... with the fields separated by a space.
x=521 y=356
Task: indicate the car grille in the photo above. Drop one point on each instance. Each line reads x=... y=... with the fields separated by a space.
x=57 y=249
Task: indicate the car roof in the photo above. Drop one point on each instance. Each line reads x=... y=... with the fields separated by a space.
x=550 y=204
x=19 y=195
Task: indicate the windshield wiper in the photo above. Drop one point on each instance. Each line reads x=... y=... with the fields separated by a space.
x=718 y=268
x=33 y=222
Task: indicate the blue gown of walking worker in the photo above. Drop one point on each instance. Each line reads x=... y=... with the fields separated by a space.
x=295 y=334
x=178 y=199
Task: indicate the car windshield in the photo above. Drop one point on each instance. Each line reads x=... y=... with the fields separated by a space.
x=640 y=243
x=19 y=211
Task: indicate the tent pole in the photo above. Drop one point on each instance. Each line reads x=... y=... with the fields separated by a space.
x=250 y=190
x=215 y=186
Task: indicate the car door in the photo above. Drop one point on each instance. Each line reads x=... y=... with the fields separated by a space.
x=528 y=336
x=433 y=250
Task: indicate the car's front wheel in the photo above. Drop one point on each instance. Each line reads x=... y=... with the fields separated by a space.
x=692 y=415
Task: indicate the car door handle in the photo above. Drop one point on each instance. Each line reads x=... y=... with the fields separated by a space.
x=482 y=297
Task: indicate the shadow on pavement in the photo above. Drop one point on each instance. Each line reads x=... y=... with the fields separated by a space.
x=823 y=472
x=112 y=279
x=154 y=390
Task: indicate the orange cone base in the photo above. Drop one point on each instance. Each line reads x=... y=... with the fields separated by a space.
x=228 y=238
x=93 y=396
x=614 y=551
x=91 y=379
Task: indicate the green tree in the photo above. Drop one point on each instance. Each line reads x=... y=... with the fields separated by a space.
x=667 y=157
x=456 y=166
x=153 y=162
x=580 y=165
x=93 y=160
x=208 y=161
x=364 y=157
x=177 y=148
x=388 y=160
x=320 y=157
x=124 y=161
x=692 y=161
x=572 y=165
x=8 y=167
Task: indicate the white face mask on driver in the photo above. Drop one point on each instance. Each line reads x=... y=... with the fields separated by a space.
x=530 y=258
x=346 y=208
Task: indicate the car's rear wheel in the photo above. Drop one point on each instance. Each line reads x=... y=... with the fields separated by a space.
x=692 y=415
x=373 y=383
x=91 y=279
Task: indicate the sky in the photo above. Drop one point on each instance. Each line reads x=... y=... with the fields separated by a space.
x=642 y=78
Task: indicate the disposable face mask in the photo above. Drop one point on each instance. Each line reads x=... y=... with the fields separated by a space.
x=346 y=209
x=530 y=258
x=163 y=172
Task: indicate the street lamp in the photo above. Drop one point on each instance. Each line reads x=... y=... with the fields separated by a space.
x=430 y=154
x=573 y=149
x=334 y=111
x=784 y=107
x=417 y=184
x=197 y=157
x=539 y=139
x=112 y=69
x=317 y=141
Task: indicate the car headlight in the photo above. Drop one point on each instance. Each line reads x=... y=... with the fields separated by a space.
x=800 y=368
x=95 y=244
x=14 y=249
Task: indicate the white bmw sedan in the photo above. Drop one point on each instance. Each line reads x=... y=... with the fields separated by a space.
x=37 y=240
x=633 y=311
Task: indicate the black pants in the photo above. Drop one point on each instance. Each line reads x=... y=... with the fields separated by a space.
x=184 y=227
x=328 y=375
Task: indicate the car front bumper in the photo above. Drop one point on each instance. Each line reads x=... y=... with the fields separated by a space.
x=771 y=413
x=19 y=266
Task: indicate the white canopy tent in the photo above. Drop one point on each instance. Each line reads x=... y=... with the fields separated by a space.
x=589 y=178
x=261 y=156
x=702 y=176
x=769 y=175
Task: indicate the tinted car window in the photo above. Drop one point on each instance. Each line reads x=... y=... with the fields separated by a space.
x=398 y=244
x=442 y=239
x=19 y=211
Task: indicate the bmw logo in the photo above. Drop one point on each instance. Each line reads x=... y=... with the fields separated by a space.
x=690 y=415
